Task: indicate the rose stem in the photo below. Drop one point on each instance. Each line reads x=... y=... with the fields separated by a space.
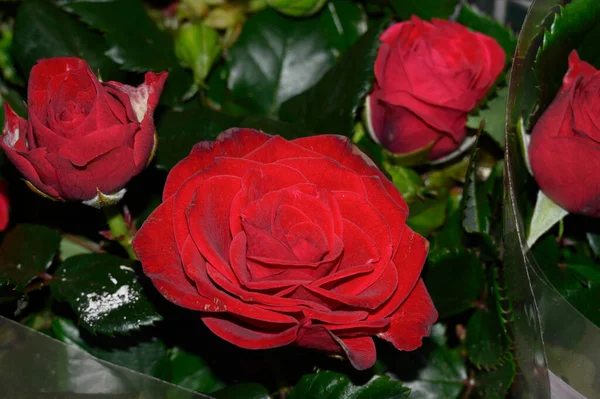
x=118 y=228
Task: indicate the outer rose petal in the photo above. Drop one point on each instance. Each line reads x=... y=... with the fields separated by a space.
x=575 y=188
x=412 y=321
x=246 y=336
x=143 y=100
x=360 y=351
x=343 y=151
x=577 y=67
x=154 y=245
x=401 y=131
x=85 y=149
x=14 y=144
x=409 y=261
x=14 y=130
x=108 y=173
x=4 y=205
x=235 y=143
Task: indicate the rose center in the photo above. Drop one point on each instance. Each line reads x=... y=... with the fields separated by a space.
x=72 y=112
x=287 y=226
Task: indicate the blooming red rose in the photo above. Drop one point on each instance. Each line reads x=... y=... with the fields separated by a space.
x=429 y=76
x=83 y=137
x=4 y=205
x=281 y=242
x=565 y=143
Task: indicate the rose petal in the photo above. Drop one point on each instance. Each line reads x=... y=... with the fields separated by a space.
x=82 y=150
x=577 y=68
x=360 y=351
x=409 y=260
x=144 y=139
x=185 y=193
x=40 y=76
x=369 y=297
x=108 y=173
x=412 y=321
x=14 y=130
x=575 y=188
x=4 y=205
x=42 y=137
x=208 y=220
x=222 y=302
x=233 y=143
x=277 y=148
x=154 y=245
x=259 y=335
x=342 y=150
x=379 y=197
x=29 y=170
x=327 y=174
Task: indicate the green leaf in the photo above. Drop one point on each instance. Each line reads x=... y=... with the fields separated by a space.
x=135 y=41
x=178 y=131
x=331 y=385
x=26 y=252
x=427 y=215
x=476 y=206
x=104 y=292
x=588 y=274
x=330 y=106
x=455 y=280
x=486 y=341
x=482 y=23
x=568 y=280
x=7 y=66
x=197 y=46
x=246 y=391
x=42 y=30
x=545 y=215
x=494 y=384
x=147 y=356
x=276 y=58
x=493 y=117
x=76 y=245
x=425 y=9
x=451 y=235
x=273 y=126
x=192 y=372
x=443 y=373
x=448 y=176
x=575 y=26
x=343 y=21
x=406 y=180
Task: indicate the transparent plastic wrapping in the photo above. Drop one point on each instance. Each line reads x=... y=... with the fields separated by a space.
x=558 y=349
x=34 y=365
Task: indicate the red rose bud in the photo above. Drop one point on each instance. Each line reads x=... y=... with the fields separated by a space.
x=565 y=143
x=4 y=205
x=429 y=76
x=84 y=139
x=281 y=242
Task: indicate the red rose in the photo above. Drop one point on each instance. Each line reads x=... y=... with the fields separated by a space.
x=429 y=76
x=565 y=143
x=278 y=242
x=83 y=137
x=4 y=205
